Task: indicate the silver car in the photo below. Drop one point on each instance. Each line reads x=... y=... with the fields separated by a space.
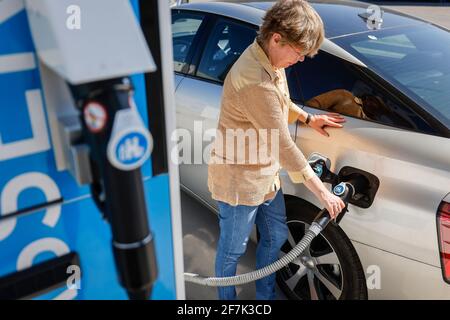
x=391 y=80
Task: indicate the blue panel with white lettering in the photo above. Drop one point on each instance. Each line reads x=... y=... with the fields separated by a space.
x=28 y=177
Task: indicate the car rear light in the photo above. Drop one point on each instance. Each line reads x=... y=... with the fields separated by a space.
x=443 y=222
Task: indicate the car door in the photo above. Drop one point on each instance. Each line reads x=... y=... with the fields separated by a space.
x=198 y=99
x=386 y=137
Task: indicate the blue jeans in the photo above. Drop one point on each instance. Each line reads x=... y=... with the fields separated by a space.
x=236 y=223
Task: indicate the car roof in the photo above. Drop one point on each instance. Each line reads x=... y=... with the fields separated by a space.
x=238 y=11
x=249 y=12
x=341 y=18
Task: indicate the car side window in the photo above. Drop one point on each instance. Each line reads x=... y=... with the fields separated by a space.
x=184 y=29
x=328 y=83
x=227 y=42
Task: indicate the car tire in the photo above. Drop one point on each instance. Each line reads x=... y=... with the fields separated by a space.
x=330 y=263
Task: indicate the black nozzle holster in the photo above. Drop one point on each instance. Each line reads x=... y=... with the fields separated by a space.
x=119 y=194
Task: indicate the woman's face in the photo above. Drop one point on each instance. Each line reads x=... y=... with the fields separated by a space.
x=282 y=54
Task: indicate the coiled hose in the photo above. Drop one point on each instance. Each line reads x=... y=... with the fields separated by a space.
x=344 y=190
x=310 y=234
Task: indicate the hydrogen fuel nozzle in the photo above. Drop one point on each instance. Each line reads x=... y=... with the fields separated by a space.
x=346 y=190
x=119 y=143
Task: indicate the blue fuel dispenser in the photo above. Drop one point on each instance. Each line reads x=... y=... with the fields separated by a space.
x=89 y=203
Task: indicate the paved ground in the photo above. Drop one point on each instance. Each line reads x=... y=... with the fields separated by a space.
x=437 y=14
x=200 y=235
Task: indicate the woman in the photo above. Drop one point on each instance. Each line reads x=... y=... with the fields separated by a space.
x=255 y=111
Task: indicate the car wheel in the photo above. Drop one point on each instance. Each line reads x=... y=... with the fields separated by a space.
x=329 y=269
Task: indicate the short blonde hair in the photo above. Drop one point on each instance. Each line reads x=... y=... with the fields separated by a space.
x=298 y=24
